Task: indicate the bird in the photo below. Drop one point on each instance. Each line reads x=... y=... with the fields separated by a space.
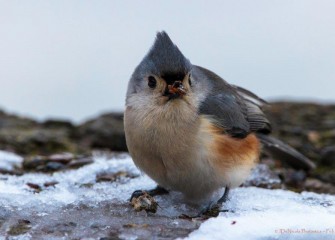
x=191 y=131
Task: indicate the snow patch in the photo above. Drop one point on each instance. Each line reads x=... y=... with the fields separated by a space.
x=9 y=161
x=256 y=213
x=73 y=186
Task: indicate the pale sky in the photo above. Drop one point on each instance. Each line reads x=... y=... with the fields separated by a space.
x=72 y=59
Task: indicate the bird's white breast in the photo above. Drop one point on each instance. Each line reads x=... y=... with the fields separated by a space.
x=175 y=147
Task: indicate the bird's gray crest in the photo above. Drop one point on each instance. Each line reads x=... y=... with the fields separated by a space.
x=164 y=57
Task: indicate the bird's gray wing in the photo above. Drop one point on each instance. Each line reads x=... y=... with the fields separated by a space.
x=236 y=110
x=239 y=112
x=255 y=115
x=227 y=113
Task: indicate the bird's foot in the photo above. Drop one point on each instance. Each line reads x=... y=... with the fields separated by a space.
x=212 y=210
x=152 y=192
x=143 y=200
x=136 y=194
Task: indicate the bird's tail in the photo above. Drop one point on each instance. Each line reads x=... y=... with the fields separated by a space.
x=283 y=152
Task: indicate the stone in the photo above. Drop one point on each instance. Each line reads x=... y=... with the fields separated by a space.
x=104 y=132
x=318 y=186
x=328 y=156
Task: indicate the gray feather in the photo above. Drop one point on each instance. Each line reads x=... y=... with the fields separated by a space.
x=236 y=110
x=227 y=114
x=281 y=151
x=248 y=94
x=164 y=57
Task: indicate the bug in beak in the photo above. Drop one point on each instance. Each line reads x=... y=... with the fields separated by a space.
x=175 y=90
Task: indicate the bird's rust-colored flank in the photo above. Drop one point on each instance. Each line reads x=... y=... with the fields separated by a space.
x=234 y=148
x=231 y=157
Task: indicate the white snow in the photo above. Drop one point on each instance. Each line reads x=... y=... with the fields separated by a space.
x=254 y=213
x=72 y=186
x=9 y=161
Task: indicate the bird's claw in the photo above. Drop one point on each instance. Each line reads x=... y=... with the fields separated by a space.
x=152 y=192
x=136 y=194
x=212 y=210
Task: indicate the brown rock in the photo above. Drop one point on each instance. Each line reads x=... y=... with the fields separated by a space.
x=104 y=132
x=328 y=157
x=318 y=186
x=21 y=227
x=37 y=188
x=77 y=163
x=55 y=162
x=112 y=177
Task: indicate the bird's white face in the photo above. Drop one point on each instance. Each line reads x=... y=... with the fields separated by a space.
x=167 y=92
x=169 y=96
x=168 y=88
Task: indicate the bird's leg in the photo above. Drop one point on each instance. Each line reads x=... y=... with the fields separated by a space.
x=224 y=197
x=152 y=192
x=213 y=210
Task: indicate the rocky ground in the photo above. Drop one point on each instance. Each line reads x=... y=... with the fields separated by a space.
x=310 y=128
x=29 y=137
x=57 y=154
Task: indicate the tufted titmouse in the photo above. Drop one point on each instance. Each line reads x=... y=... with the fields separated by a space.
x=190 y=130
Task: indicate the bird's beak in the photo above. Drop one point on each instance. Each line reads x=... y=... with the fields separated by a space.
x=175 y=90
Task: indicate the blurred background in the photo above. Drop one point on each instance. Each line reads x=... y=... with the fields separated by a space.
x=73 y=59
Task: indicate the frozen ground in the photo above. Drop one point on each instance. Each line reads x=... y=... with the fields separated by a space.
x=73 y=205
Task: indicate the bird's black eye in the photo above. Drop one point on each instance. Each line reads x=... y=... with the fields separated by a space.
x=152 y=82
x=189 y=80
